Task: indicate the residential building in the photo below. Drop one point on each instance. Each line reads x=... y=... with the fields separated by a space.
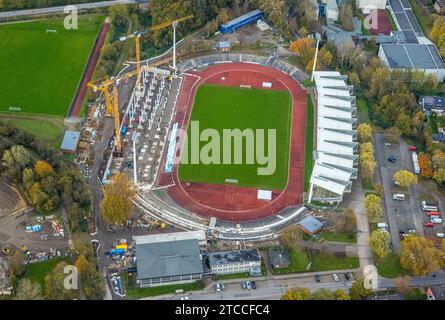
x=433 y=105
x=336 y=151
x=238 y=261
x=279 y=258
x=164 y=260
x=439 y=6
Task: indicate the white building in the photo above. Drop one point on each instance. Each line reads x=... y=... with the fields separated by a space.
x=336 y=151
x=235 y=261
x=367 y=5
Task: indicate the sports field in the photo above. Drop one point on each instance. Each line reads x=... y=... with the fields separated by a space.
x=40 y=70
x=220 y=107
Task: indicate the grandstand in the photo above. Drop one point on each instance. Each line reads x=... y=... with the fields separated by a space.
x=335 y=156
x=241 y=21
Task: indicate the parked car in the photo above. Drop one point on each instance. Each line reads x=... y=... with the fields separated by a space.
x=429 y=224
x=317 y=278
x=411 y=230
x=335 y=276
x=433 y=213
x=218 y=287
x=436 y=220
x=398 y=196
x=222 y=286
x=248 y=285
x=387 y=144
x=382 y=225
x=243 y=285
x=392 y=159
x=347 y=277
x=253 y=285
x=412 y=148
x=440 y=235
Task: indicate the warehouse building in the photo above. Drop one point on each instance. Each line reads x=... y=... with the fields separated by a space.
x=413 y=56
x=337 y=147
x=235 y=261
x=241 y=21
x=70 y=142
x=166 y=260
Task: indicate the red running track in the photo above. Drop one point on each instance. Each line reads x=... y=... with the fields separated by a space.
x=88 y=73
x=230 y=202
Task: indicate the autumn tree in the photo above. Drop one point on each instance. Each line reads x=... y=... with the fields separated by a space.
x=296 y=294
x=367 y=164
x=276 y=12
x=425 y=166
x=380 y=243
x=403 y=284
x=341 y=295
x=345 y=16
x=43 y=169
x=117 y=205
x=323 y=294
x=291 y=237
x=119 y=16
x=358 y=290
x=346 y=221
x=54 y=284
x=364 y=131
x=373 y=206
x=28 y=290
x=405 y=178
x=392 y=135
x=419 y=256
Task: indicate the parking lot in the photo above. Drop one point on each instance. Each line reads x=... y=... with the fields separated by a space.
x=402 y=215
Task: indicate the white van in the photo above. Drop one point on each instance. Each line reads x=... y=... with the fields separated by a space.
x=382 y=225
x=440 y=235
x=398 y=196
x=436 y=220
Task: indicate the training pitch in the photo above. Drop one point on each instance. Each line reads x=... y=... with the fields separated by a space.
x=41 y=64
x=222 y=107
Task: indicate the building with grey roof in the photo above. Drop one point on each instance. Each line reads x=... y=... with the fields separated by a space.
x=168 y=262
x=238 y=261
x=310 y=225
x=70 y=141
x=433 y=105
x=411 y=56
x=279 y=257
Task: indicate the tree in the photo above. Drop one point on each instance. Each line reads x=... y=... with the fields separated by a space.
x=364 y=131
x=366 y=147
x=291 y=237
x=373 y=207
x=117 y=205
x=28 y=177
x=16 y=266
x=392 y=135
x=296 y=294
x=346 y=222
x=345 y=16
x=276 y=11
x=223 y=16
x=43 y=169
x=419 y=256
x=380 y=243
x=341 y=295
x=425 y=166
x=323 y=294
x=367 y=164
x=405 y=178
x=119 y=16
x=403 y=285
x=358 y=290
x=28 y=290
x=54 y=284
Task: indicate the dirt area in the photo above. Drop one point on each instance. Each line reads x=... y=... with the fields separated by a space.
x=15 y=216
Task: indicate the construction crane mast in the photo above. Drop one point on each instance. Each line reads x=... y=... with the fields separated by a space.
x=137 y=35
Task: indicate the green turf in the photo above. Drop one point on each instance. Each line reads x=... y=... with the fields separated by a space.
x=40 y=71
x=39 y=270
x=389 y=267
x=309 y=143
x=137 y=293
x=221 y=108
x=298 y=263
x=326 y=261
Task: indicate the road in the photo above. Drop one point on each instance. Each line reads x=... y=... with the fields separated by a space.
x=83 y=6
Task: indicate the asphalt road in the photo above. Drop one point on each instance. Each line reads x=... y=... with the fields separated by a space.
x=83 y=6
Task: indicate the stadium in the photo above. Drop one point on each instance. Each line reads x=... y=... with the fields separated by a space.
x=234 y=91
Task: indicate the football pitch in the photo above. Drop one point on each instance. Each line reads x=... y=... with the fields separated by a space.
x=221 y=107
x=41 y=64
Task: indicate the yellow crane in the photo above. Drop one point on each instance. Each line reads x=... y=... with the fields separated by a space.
x=112 y=103
x=172 y=22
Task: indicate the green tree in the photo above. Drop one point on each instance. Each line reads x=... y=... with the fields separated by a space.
x=116 y=205
x=292 y=237
x=358 y=290
x=119 y=16
x=28 y=290
x=373 y=206
x=323 y=294
x=380 y=243
x=296 y=294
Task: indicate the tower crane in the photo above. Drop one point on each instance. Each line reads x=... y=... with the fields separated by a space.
x=112 y=102
x=172 y=22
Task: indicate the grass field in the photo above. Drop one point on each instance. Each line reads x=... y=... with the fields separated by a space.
x=221 y=108
x=40 y=71
x=308 y=143
x=137 y=293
